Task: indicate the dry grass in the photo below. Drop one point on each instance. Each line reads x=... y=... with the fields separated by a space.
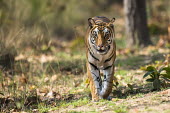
x=56 y=81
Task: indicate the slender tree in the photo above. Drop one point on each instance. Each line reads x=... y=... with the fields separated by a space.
x=136 y=23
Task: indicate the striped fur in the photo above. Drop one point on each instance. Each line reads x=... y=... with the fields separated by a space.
x=101 y=54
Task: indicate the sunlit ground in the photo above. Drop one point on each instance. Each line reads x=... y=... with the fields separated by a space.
x=56 y=80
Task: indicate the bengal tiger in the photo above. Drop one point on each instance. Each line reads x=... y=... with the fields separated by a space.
x=100 y=56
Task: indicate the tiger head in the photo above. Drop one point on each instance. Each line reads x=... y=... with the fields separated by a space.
x=101 y=34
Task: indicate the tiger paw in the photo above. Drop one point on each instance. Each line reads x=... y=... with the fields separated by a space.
x=95 y=100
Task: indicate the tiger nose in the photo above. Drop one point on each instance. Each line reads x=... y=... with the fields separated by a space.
x=100 y=47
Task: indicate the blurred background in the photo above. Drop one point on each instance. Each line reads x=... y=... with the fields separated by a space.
x=42 y=43
x=32 y=23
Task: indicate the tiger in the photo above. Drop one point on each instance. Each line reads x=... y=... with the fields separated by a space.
x=100 y=56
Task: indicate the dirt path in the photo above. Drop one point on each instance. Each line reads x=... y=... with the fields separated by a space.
x=154 y=102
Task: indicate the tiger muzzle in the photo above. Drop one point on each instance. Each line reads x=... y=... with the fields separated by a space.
x=101 y=49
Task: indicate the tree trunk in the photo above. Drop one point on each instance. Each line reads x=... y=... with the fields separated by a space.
x=136 y=23
x=141 y=23
x=129 y=9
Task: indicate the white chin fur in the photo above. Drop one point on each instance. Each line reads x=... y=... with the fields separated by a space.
x=101 y=53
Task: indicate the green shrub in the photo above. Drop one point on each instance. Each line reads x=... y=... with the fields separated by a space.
x=158 y=75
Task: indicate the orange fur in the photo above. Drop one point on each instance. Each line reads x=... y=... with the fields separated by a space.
x=100 y=40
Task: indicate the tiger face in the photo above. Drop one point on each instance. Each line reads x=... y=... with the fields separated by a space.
x=101 y=36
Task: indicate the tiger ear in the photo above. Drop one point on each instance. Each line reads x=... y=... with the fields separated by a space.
x=91 y=22
x=111 y=22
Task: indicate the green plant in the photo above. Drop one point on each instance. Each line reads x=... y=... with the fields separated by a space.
x=158 y=76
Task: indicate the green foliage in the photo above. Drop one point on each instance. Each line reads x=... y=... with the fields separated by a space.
x=155 y=29
x=26 y=28
x=121 y=109
x=121 y=43
x=74 y=103
x=52 y=16
x=157 y=75
x=78 y=43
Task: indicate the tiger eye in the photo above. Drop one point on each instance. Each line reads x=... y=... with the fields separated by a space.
x=107 y=33
x=94 y=32
x=109 y=40
x=93 y=40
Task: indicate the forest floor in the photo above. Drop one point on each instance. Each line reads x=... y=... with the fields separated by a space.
x=55 y=81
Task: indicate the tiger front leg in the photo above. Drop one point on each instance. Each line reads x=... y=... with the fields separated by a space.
x=107 y=83
x=95 y=82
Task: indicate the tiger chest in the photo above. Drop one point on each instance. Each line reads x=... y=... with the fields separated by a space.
x=100 y=61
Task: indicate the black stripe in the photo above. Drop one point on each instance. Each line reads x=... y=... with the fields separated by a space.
x=108 y=66
x=93 y=56
x=107 y=81
x=94 y=74
x=108 y=59
x=98 y=79
x=93 y=65
x=88 y=47
x=109 y=48
x=107 y=75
